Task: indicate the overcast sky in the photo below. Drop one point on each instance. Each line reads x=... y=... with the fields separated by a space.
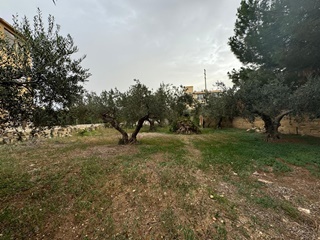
x=155 y=41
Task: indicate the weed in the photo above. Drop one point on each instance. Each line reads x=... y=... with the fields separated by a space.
x=130 y=175
x=265 y=201
x=225 y=204
x=188 y=233
x=221 y=232
x=280 y=167
x=169 y=223
x=289 y=210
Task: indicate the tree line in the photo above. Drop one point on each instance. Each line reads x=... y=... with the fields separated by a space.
x=132 y=108
x=276 y=40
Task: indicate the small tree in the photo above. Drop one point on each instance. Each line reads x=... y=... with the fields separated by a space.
x=133 y=107
x=39 y=79
x=161 y=110
x=220 y=106
x=86 y=109
x=180 y=103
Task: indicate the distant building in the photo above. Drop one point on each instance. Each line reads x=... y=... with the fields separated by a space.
x=16 y=40
x=7 y=31
x=200 y=95
x=188 y=89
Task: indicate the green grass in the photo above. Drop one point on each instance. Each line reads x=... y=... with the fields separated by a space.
x=241 y=151
x=88 y=187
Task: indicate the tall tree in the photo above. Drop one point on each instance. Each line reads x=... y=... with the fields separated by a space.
x=38 y=75
x=276 y=40
x=278 y=34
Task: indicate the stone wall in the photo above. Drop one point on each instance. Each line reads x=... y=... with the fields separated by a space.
x=9 y=136
x=288 y=126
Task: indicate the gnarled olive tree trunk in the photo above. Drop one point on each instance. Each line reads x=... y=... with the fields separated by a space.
x=125 y=137
x=133 y=138
x=272 y=124
x=114 y=123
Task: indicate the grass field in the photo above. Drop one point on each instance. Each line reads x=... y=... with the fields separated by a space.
x=226 y=184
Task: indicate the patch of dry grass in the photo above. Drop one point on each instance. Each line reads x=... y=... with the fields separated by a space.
x=168 y=186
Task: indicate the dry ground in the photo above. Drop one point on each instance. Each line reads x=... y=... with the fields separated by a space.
x=106 y=191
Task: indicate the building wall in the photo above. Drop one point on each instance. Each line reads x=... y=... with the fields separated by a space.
x=188 y=89
x=8 y=32
x=288 y=126
x=6 y=29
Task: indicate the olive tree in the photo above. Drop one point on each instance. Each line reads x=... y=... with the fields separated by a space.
x=277 y=41
x=221 y=105
x=133 y=107
x=140 y=104
x=39 y=76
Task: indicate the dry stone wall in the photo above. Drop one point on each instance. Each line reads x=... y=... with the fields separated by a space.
x=9 y=136
x=288 y=126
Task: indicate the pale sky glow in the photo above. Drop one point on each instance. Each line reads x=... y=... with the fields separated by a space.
x=169 y=41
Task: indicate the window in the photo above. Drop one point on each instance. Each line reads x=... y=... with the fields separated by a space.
x=9 y=36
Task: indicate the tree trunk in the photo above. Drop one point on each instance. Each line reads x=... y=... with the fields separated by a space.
x=272 y=125
x=116 y=125
x=133 y=138
x=152 y=125
x=160 y=123
x=219 y=124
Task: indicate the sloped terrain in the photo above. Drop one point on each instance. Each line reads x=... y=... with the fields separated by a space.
x=227 y=184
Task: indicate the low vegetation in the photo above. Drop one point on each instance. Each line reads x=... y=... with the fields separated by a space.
x=226 y=184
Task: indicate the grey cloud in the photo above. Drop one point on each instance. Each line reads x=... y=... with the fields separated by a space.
x=169 y=41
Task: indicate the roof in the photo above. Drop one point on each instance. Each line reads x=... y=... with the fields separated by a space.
x=7 y=25
x=207 y=91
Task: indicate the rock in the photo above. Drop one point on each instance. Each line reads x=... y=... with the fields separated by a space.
x=256 y=173
x=9 y=135
x=264 y=181
x=286 y=197
x=304 y=210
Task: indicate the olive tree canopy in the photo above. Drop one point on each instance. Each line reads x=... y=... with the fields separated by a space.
x=277 y=41
x=39 y=76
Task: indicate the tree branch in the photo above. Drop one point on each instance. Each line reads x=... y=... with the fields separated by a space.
x=281 y=115
x=114 y=123
x=139 y=126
